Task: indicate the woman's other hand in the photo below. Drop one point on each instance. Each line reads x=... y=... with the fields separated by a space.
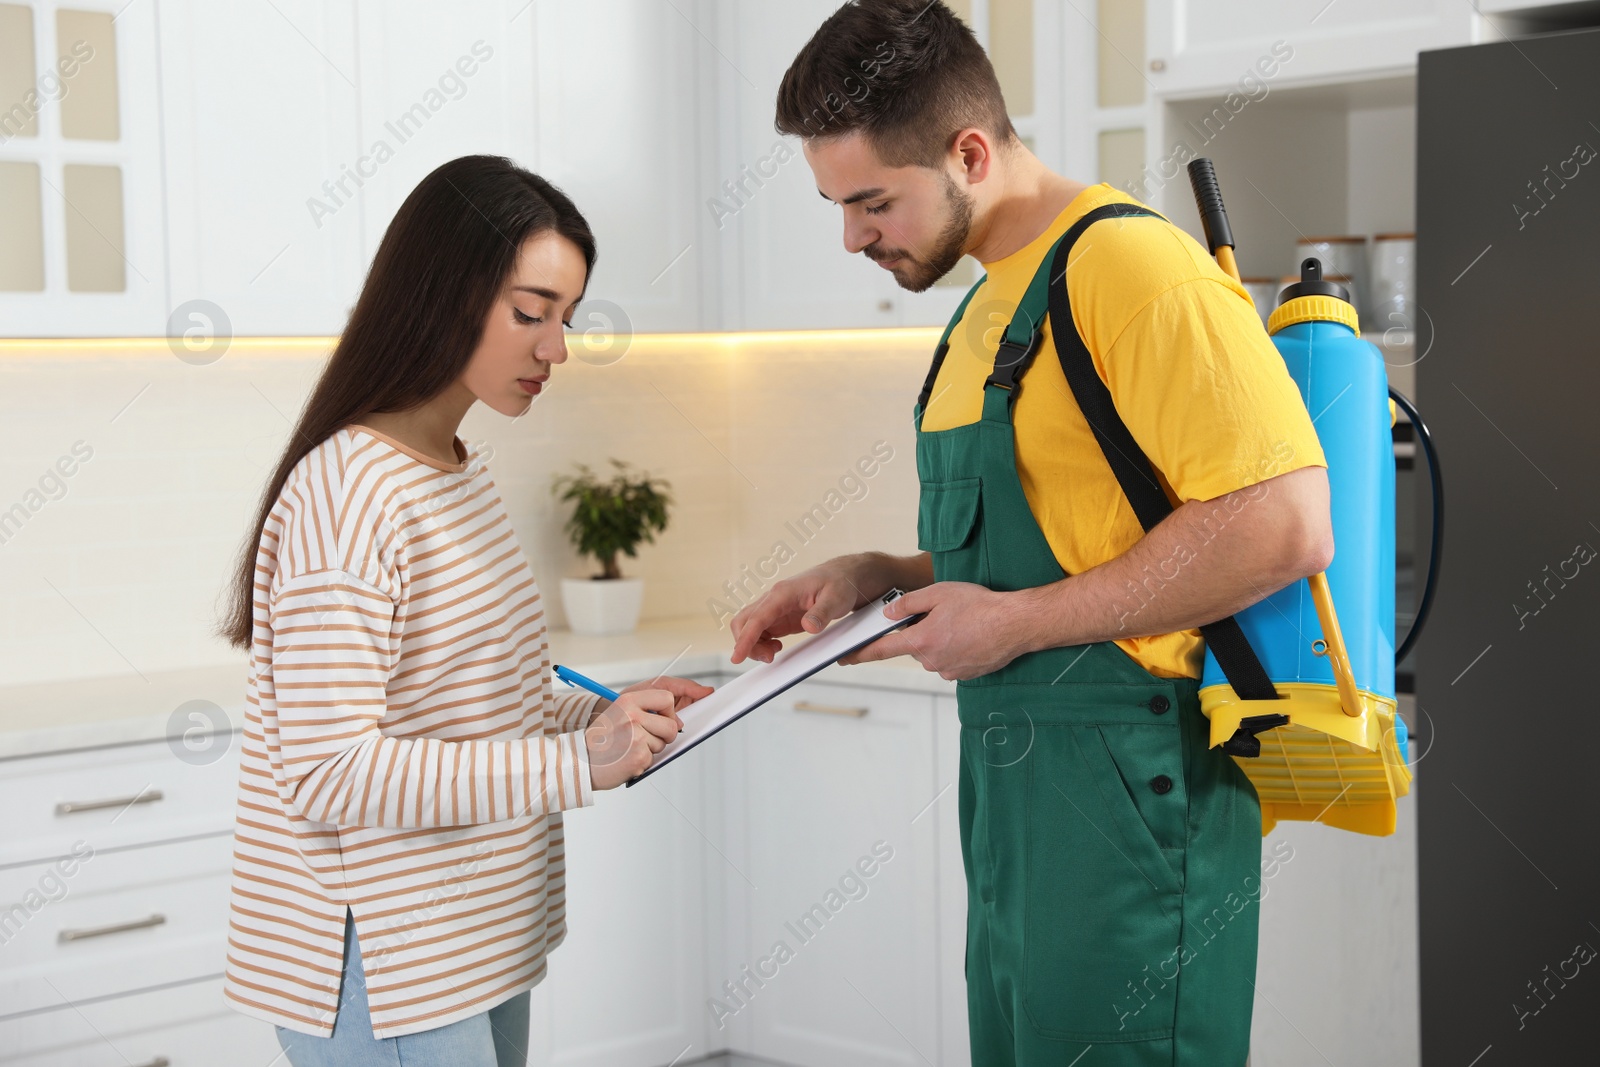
x=685 y=690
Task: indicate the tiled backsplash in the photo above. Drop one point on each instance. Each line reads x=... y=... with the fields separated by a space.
x=127 y=476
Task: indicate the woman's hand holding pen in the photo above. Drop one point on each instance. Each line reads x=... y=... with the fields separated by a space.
x=626 y=733
x=624 y=737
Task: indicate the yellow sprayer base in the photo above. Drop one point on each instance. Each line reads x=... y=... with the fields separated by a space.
x=1344 y=771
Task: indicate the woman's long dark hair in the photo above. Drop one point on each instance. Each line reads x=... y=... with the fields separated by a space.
x=441 y=266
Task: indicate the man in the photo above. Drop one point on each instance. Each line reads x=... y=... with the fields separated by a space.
x=1111 y=855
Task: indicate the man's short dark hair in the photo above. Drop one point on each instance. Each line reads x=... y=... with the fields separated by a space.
x=909 y=74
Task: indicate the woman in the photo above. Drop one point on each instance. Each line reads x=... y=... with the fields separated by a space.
x=399 y=875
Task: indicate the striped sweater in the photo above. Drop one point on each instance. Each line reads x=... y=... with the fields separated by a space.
x=404 y=754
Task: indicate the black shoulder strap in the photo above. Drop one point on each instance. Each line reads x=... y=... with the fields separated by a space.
x=944 y=346
x=1132 y=467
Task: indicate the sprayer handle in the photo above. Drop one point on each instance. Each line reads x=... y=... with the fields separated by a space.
x=1333 y=645
x=1208 y=198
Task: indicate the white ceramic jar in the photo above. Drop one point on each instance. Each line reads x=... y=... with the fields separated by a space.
x=1393 y=281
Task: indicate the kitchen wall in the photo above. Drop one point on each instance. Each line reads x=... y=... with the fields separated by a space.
x=127 y=475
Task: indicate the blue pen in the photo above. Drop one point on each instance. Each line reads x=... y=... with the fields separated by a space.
x=572 y=677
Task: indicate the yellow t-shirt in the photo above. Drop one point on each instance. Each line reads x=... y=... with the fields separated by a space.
x=1192 y=373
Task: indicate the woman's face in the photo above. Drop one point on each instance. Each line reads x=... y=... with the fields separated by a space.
x=525 y=334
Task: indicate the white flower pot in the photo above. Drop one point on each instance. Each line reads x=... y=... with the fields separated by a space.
x=600 y=606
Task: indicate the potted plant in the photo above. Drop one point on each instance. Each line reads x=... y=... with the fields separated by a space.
x=609 y=517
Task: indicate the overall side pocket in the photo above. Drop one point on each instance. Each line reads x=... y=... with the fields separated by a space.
x=1103 y=910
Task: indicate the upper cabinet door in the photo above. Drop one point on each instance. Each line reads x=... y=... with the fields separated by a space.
x=621 y=130
x=82 y=251
x=260 y=109
x=439 y=81
x=296 y=129
x=786 y=266
x=1199 y=46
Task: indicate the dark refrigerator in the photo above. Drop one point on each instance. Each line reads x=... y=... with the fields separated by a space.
x=1508 y=798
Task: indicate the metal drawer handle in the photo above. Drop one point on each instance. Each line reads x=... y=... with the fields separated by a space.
x=70 y=807
x=830 y=709
x=115 y=928
x=159 y=1061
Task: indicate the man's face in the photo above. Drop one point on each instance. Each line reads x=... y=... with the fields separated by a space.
x=912 y=221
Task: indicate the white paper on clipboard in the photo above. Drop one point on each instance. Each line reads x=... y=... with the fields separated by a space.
x=742 y=695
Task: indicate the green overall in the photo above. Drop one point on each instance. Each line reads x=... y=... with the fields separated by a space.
x=1112 y=857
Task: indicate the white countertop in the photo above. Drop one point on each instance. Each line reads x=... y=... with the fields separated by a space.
x=76 y=713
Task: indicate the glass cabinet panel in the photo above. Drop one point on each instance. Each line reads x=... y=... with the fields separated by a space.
x=94 y=228
x=1011 y=52
x=1120 y=61
x=21 y=229
x=1122 y=158
x=86 y=53
x=61 y=127
x=19 y=102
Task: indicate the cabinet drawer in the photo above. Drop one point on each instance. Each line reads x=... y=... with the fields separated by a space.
x=185 y=1026
x=111 y=922
x=116 y=796
x=829 y=698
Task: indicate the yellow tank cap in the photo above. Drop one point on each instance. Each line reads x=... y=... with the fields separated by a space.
x=1313 y=309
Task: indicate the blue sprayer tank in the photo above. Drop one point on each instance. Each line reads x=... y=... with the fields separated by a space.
x=1330 y=764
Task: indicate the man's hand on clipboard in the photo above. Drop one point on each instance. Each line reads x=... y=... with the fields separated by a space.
x=812 y=599
x=750 y=689
x=967 y=631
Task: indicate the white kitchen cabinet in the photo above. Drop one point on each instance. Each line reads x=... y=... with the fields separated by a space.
x=261 y=120
x=954 y=1047
x=113 y=907
x=264 y=148
x=83 y=230
x=785 y=265
x=840 y=960
x=439 y=81
x=624 y=988
x=114 y=922
x=288 y=158
x=114 y=797
x=628 y=137
x=1205 y=47
x=188 y=1025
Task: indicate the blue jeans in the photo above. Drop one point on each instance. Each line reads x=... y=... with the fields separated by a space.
x=494 y=1038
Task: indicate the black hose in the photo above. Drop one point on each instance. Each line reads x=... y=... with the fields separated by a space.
x=1437 y=547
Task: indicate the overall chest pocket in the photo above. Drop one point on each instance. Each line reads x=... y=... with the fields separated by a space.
x=949 y=515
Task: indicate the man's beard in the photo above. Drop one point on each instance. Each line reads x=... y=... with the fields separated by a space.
x=916 y=274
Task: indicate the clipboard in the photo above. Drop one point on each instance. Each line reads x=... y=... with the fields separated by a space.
x=734 y=700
